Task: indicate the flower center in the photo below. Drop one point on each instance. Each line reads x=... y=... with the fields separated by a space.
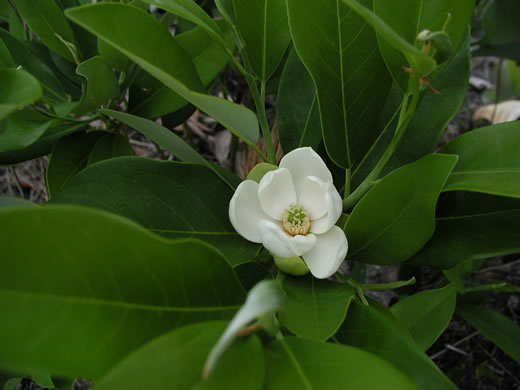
x=296 y=220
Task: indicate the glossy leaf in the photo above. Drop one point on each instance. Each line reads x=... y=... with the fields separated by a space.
x=434 y=112
x=397 y=216
x=420 y=63
x=426 y=314
x=374 y=329
x=101 y=84
x=174 y=361
x=297 y=112
x=19 y=89
x=22 y=129
x=263 y=27
x=160 y=55
x=42 y=146
x=190 y=10
x=153 y=99
x=69 y=156
x=264 y=299
x=174 y=200
x=46 y=19
x=427 y=124
x=24 y=57
x=110 y=146
x=295 y=364
x=90 y=281
x=481 y=226
x=487 y=160
x=495 y=326
x=408 y=18
x=315 y=309
x=342 y=56
x=165 y=138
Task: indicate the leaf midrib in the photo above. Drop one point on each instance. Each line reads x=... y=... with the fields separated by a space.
x=69 y=299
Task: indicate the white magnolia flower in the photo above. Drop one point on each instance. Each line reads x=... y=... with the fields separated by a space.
x=293 y=211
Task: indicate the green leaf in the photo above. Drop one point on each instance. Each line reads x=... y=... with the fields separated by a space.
x=420 y=63
x=69 y=156
x=427 y=125
x=12 y=383
x=24 y=57
x=397 y=216
x=341 y=54
x=7 y=201
x=487 y=160
x=174 y=200
x=15 y=24
x=427 y=313
x=495 y=326
x=90 y=281
x=296 y=364
x=264 y=300
x=190 y=10
x=6 y=61
x=315 y=309
x=207 y=55
x=408 y=18
x=375 y=330
x=159 y=54
x=22 y=129
x=481 y=226
x=101 y=84
x=154 y=99
x=225 y=7
x=113 y=57
x=174 y=361
x=297 y=113
x=110 y=146
x=263 y=28
x=259 y=170
x=19 y=89
x=42 y=146
x=500 y=24
x=165 y=138
x=434 y=112
x=46 y=19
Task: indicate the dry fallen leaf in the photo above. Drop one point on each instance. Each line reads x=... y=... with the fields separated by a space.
x=498 y=113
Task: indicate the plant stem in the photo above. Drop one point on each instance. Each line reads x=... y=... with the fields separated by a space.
x=69 y=119
x=259 y=100
x=405 y=116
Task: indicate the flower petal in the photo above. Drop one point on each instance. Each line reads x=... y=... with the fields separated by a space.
x=303 y=162
x=245 y=211
x=334 y=206
x=312 y=197
x=277 y=241
x=327 y=255
x=276 y=192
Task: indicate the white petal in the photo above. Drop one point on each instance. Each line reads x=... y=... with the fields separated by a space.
x=312 y=197
x=277 y=241
x=276 y=192
x=334 y=206
x=327 y=255
x=245 y=212
x=303 y=162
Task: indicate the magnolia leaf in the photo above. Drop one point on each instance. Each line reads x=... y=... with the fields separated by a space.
x=264 y=299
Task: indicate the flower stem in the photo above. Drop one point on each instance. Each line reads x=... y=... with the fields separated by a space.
x=405 y=116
